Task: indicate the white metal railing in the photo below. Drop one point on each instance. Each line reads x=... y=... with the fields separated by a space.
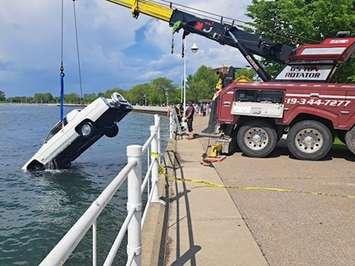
x=134 y=221
x=175 y=128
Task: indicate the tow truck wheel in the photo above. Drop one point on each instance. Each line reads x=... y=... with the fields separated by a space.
x=350 y=140
x=257 y=138
x=112 y=131
x=309 y=140
x=86 y=129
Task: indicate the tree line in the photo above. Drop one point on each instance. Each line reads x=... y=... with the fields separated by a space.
x=160 y=91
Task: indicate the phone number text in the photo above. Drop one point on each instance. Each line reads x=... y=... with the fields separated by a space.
x=318 y=102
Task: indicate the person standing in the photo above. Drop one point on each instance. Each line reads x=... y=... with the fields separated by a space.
x=190 y=112
x=204 y=107
x=179 y=112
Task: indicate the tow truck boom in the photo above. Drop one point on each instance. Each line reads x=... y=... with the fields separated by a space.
x=323 y=57
x=221 y=31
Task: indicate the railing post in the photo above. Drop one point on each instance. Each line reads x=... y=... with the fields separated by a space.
x=171 y=124
x=94 y=243
x=157 y=125
x=134 y=246
x=154 y=155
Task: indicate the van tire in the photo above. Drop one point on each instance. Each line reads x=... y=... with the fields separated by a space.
x=112 y=131
x=86 y=129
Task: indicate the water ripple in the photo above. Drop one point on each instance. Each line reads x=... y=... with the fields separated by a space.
x=37 y=210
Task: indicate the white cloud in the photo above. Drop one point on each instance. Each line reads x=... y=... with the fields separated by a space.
x=29 y=46
x=210 y=53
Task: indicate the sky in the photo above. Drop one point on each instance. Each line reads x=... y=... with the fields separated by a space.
x=116 y=50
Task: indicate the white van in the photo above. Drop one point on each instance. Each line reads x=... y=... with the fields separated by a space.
x=67 y=140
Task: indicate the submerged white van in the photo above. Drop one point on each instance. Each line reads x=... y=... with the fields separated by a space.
x=67 y=140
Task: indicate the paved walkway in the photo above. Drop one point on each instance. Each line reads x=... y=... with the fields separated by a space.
x=204 y=226
x=299 y=212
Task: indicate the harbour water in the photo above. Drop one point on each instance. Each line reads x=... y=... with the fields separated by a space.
x=36 y=211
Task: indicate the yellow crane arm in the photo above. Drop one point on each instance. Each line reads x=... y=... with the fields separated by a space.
x=217 y=28
x=150 y=8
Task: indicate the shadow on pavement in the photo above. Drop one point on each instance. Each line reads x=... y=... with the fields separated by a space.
x=172 y=163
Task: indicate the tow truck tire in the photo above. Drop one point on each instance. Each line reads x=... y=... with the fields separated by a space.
x=350 y=140
x=112 y=131
x=309 y=140
x=257 y=138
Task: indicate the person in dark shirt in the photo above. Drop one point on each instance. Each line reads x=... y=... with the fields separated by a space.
x=179 y=112
x=190 y=111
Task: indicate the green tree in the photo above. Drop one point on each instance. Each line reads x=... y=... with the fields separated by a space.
x=108 y=93
x=20 y=99
x=2 y=96
x=43 y=98
x=295 y=22
x=156 y=92
x=89 y=97
x=202 y=84
x=162 y=91
x=247 y=73
x=72 y=98
x=139 y=94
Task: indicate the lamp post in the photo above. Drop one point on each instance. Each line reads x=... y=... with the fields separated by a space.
x=184 y=82
x=166 y=96
x=194 y=50
x=145 y=99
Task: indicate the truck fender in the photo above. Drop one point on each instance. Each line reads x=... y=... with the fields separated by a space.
x=311 y=112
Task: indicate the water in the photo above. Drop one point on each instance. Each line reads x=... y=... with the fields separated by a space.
x=36 y=211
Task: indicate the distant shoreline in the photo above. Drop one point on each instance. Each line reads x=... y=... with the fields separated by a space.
x=136 y=108
x=45 y=104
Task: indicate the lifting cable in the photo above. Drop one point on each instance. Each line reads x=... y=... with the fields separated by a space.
x=78 y=52
x=62 y=75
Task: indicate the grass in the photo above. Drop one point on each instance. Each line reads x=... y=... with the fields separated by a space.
x=338 y=144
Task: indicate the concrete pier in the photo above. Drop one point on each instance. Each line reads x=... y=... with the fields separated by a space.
x=161 y=110
x=204 y=225
x=271 y=211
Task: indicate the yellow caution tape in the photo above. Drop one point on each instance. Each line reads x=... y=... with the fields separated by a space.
x=154 y=155
x=255 y=188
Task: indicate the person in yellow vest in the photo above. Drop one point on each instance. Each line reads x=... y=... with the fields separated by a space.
x=226 y=75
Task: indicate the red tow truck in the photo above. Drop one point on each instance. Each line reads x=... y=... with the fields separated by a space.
x=301 y=102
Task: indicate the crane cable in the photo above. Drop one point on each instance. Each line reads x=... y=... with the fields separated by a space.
x=78 y=51
x=62 y=75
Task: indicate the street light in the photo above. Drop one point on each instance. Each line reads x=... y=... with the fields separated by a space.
x=166 y=96
x=194 y=50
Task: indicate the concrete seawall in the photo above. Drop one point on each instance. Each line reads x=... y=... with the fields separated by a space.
x=151 y=109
